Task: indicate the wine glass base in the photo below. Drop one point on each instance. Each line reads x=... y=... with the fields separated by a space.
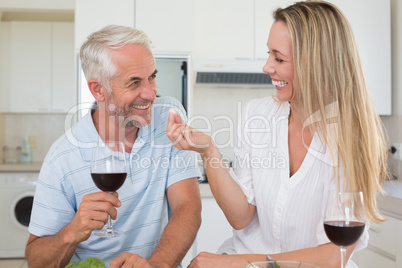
x=107 y=234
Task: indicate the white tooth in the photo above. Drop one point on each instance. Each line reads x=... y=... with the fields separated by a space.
x=279 y=83
x=140 y=107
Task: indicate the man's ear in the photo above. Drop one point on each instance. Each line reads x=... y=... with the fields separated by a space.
x=96 y=89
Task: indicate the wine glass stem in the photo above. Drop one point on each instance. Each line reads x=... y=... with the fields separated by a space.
x=109 y=227
x=343 y=256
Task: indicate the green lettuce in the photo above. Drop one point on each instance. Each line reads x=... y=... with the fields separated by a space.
x=90 y=262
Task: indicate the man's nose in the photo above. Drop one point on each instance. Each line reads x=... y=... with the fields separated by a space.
x=149 y=91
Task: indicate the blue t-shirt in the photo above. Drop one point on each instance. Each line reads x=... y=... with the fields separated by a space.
x=153 y=165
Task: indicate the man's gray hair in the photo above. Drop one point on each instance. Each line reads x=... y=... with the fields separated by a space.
x=95 y=51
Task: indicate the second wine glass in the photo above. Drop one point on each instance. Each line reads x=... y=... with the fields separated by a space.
x=108 y=171
x=344 y=219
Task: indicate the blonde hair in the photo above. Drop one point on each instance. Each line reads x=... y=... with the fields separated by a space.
x=328 y=71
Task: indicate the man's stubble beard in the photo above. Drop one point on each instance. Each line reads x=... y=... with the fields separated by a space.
x=123 y=116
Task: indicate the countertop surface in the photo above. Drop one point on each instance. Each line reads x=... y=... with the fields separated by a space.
x=21 y=167
x=393 y=188
x=391 y=203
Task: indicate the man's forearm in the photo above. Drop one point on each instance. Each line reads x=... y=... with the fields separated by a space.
x=50 y=251
x=178 y=236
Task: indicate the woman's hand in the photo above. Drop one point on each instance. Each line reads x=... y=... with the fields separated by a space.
x=185 y=137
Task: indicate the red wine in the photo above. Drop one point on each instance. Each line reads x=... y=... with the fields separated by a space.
x=342 y=234
x=109 y=182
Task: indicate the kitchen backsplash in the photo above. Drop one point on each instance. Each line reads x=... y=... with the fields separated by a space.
x=46 y=128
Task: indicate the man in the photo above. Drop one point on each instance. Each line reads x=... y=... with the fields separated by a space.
x=159 y=203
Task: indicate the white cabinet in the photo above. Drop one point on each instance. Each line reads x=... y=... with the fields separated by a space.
x=232 y=29
x=384 y=247
x=167 y=23
x=263 y=19
x=30 y=66
x=369 y=258
x=63 y=93
x=214 y=229
x=40 y=61
x=223 y=30
x=371 y=25
x=92 y=15
x=4 y=66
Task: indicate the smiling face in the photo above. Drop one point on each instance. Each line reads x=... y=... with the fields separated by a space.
x=134 y=88
x=280 y=61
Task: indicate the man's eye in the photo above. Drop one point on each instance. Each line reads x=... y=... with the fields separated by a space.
x=136 y=83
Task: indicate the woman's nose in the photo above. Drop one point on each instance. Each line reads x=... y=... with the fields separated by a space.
x=268 y=67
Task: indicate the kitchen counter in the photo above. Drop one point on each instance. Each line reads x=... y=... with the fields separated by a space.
x=393 y=188
x=391 y=203
x=21 y=167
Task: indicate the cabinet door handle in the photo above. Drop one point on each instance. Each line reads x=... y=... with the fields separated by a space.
x=375 y=230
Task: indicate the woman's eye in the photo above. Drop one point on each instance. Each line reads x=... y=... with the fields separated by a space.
x=276 y=59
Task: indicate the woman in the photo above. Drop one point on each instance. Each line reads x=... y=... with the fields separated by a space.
x=320 y=132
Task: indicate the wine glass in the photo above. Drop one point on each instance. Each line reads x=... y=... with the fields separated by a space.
x=108 y=171
x=344 y=219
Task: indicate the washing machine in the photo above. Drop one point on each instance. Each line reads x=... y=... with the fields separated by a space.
x=16 y=198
